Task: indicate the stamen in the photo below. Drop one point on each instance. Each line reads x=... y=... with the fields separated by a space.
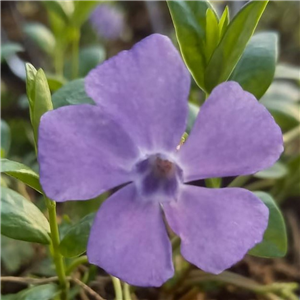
x=164 y=167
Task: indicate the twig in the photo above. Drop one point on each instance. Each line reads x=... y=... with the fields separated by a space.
x=29 y=280
x=245 y=283
x=83 y=295
x=86 y=288
x=76 y=263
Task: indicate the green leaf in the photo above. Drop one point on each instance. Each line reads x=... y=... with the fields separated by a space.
x=193 y=113
x=30 y=86
x=233 y=43
x=213 y=182
x=22 y=220
x=285 y=71
x=274 y=243
x=89 y=58
x=75 y=241
x=71 y=93
x=278 y=170
x=15 y=254
x=9 y=297
x=224 y=22
x=212 y=32
x=60 y=9
x=283 y=109
x=41 y=292
x=41 y=36
x=55 y=82
x=5 y=138
x=9 y=49
x=189 y=19
x=22 y=173
x=256 y=68
x=42 y=100
x=82 y=11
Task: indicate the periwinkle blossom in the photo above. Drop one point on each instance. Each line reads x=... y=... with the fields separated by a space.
x=107 y=21
x=130 y=138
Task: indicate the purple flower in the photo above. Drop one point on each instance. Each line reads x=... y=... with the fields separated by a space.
x=107 y=21
x=130 y=137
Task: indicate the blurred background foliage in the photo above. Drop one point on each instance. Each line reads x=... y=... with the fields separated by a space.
x=53 y=36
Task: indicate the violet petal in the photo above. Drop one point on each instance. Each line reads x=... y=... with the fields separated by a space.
x=82 y=153
x=146 y=90
x=217 y=226
x=233 y=135
x=129 y=240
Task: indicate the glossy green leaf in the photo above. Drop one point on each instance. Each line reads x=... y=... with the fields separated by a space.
x=274 y=243
x=9 y=49
x=42 y=100
x=61 y=9
x=224 y=22
x=21 y=219
x=193 y=113
x=233 y=43
x=285 y=113
x=189 y=19
x=55 y=82
x=47 y=291
x=30 y=85
x=82 y=10
x=256 y=68
x=71 y=93
x=289 y=185
x=278 y=170
x=212 y=33
x=285 y=71
x=9 y=297
x=89 y=58
x=5 y=138
x=75 y=240
x=213 y=182
x=15 y=254
x=41 y=36
x=22 y=173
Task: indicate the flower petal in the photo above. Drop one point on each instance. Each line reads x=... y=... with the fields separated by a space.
x=82 y=152
x=233 y=135
x=146 y=90
x=217 y=226
x=129 y=240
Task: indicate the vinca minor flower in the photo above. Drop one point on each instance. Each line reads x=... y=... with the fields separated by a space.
x=108 y=21
x=130 y=138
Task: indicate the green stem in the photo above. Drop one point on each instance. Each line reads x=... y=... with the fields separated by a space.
x=126 y=290
x=57 y=257
x=117 y=287
x=58 y=60
x=239 y=181
x=75 y=52
x=75 y=263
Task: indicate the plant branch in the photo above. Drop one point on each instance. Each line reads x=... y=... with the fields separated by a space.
x=117 y=287
x=57 y=257
x=76 y=263
x=245 y=283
